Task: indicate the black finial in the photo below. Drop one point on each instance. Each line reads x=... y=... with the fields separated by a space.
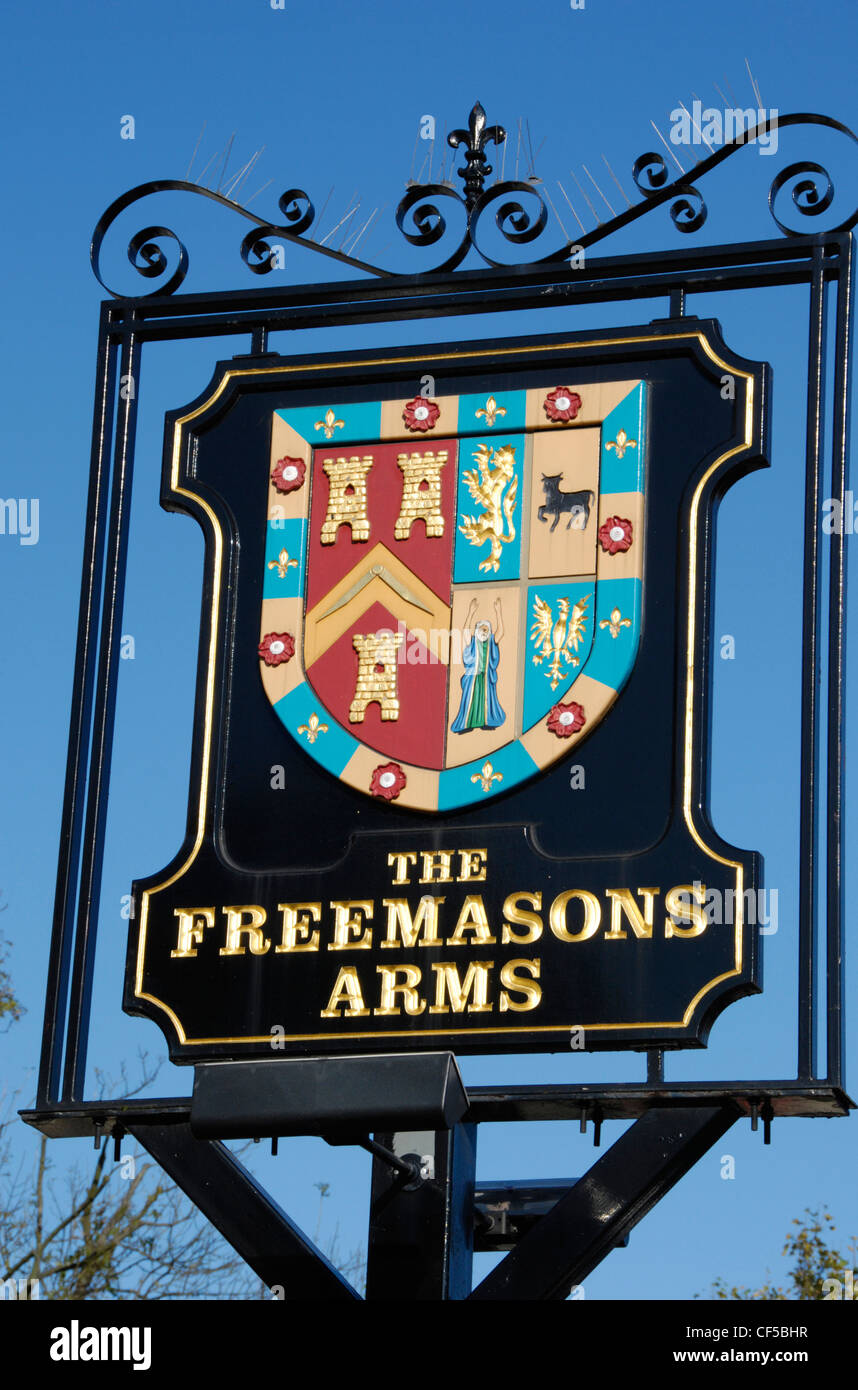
x=475 y=138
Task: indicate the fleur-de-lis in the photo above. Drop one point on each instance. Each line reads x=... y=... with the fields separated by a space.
x=621 y=443
x=615 y=622
x=475 y=138
x=282 y=563
x=492 y=411
x=313 y=728
x=487 y=776
x=329 y=424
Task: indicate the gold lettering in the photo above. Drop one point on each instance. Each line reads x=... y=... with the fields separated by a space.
x=532 y=992
x=192 y=923
x=516 y=916
x=592 y=915
x=687 y=902
x=297 y=922
x=236 y=929
x=441 y=862
x=472 y=865
x=402 y=861
x=448 y=984
x=623 y=902
x=426 y=921
x=348 y=922
x=346 y=991
x=472 y=918
x=411 y=1001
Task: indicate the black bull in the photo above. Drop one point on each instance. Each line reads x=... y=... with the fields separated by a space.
x=557 y=501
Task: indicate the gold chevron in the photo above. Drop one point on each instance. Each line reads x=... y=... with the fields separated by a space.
x=367 y=577
x=378 y=577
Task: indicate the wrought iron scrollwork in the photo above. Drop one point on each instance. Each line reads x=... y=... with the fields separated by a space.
x=806 y=195
x=516 y=223
x=800 y=191
x=149 y=259
x=812 y=195
x=687 y=210
x=649 y=173
x=419 y=211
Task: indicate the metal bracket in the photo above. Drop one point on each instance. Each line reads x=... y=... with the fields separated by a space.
x=506 y=1211
x=341 y=1099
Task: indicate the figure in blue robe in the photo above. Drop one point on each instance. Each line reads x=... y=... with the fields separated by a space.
x=480 y=707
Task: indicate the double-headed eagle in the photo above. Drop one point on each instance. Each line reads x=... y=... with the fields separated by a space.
x=556 y=641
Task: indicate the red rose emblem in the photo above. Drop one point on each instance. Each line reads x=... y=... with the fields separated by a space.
x=387 y=781
x=288 y=474
x=562 y=404
x=616 y=535
x=277 y=647
x=421 y=414
x=566 y=719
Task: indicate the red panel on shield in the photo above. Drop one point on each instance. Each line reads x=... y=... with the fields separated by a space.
x=417 y=735
x=391 y=498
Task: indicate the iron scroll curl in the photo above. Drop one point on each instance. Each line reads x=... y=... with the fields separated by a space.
x=422 y=222
x=150 y=260
x=516 y=223
x=651 y=178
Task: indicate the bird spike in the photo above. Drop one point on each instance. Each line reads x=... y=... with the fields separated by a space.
x=584 y=196
x=598 y=190
x=667 y=147
x=194 y=155
x=754 y=85
x=226 y=156
x=616 y=180
x=556 y=213
x=711 y=148
x=569 y=201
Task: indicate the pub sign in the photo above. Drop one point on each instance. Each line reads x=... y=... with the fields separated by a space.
x=449 y=773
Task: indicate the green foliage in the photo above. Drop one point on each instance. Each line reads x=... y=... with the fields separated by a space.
x=814 y=1261
x=119 y=1231
x=10 y=1009
x=112 y=1230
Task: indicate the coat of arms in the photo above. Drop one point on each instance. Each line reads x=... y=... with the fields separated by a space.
x=452 y=587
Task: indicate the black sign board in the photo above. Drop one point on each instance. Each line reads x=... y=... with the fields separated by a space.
x=449 y=775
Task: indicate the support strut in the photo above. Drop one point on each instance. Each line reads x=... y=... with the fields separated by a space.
x=274 y=1247
x=621 y=1187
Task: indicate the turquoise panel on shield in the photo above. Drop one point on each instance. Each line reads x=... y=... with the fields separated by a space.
x=472 y=412
x=334 y=747
x=539 y=695
x=361 y=422
x=612 y=657
x=468 y=557
x=289 y=535
x=622 y=459
x=509 y=766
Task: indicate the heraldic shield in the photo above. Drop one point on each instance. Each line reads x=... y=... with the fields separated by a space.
x=452 y=588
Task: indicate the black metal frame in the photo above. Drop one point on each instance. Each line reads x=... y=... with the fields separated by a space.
x=683 y=1117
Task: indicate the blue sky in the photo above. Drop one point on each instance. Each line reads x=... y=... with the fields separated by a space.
x=335 y=94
